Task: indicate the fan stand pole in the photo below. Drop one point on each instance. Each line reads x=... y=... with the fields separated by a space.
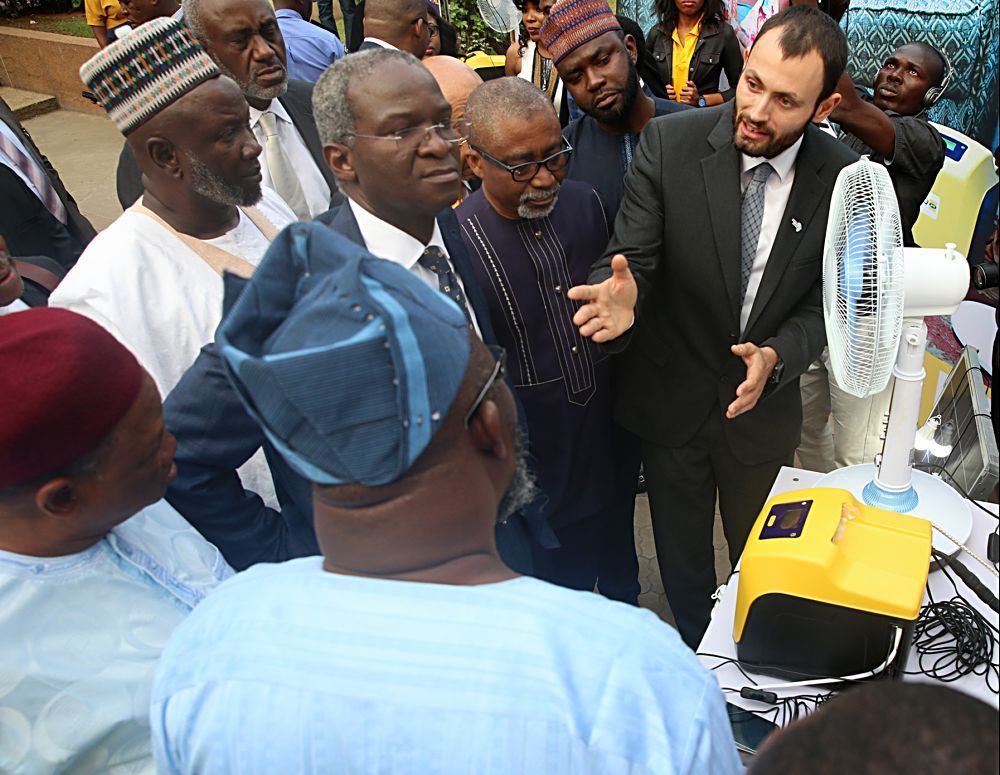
x=894 y=476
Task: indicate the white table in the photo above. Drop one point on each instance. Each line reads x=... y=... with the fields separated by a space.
x=718 y=638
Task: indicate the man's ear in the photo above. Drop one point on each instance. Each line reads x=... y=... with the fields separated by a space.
x=486 y=428
x=164 y=155
x=475 y=161
x=340 y=159
x=826 y=107
x=57 y=497
x=632 y=48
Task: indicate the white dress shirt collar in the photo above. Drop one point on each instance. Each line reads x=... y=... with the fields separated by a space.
x=782 y=163
x=275 y=107
x=386 y=241
x=379 y=42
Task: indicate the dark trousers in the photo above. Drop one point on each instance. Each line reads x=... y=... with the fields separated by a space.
x=682 y=483
x=599 y=550
x=354 y=27
x=326 y=17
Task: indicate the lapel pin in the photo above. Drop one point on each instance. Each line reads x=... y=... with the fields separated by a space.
x=797 y=225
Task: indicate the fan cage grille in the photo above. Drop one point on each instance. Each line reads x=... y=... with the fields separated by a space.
x=863 y=279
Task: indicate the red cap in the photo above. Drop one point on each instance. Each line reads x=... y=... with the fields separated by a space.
x=65 y=383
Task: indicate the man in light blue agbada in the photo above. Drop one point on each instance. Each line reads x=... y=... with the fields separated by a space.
x=95 y=569
x=309 y=48
x=408 y=647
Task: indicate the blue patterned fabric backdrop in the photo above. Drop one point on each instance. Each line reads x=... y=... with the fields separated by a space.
x=967 y=31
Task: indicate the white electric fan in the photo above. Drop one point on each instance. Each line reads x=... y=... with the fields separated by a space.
x=499 y=15
x=875 y=296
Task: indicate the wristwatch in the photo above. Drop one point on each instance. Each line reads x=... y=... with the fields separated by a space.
x=779 y=369
x=701 y=102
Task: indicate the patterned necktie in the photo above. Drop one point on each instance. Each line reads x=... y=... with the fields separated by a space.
x=751 y=217
x=39 y=178
x=433 y=258
x=283 y=177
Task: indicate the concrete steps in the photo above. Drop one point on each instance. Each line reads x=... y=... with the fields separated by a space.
x=28 y=104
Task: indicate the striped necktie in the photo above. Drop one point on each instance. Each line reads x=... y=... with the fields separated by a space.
x=38 y=176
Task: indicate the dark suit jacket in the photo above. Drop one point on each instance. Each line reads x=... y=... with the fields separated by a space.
x=367 y=45
x=215 y=436
x=297 y=101
x=717 y=50
x=679 y=227
x=29 y=228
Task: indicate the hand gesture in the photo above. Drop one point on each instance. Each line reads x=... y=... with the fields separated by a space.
x=671 y=94
x=689 y=94
x=611 y=305
x=760 y=362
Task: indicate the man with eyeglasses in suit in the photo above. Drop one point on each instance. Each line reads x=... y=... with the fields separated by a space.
x=531 y=237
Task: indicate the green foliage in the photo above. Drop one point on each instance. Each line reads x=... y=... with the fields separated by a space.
x=473 y=34
x=13 y=8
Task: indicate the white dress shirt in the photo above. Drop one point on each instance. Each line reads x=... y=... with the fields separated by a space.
x=314 y=186
x=379 y=42
x=776 y=191
x=386 y=241
x=9 y=162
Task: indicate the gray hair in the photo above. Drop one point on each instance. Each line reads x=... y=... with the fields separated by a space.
x=498 y=99
x=193 y=20
x=332 y=110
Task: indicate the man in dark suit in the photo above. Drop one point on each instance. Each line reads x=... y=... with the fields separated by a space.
x=389 y=203
x=724 y=290
x=280 y=109
x=402 y=24
x=37 y=214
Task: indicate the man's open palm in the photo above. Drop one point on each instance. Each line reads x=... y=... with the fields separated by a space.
x=610 y=310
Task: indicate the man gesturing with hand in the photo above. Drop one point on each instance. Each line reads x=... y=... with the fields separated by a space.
x=711 y=291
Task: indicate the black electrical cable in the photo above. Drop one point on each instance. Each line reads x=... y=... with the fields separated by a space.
x=952 y=640
x=958 y=487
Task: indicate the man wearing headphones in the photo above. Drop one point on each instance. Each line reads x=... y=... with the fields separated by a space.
x=891 y=127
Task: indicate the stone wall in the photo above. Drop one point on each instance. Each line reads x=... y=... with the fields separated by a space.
x=46 y=63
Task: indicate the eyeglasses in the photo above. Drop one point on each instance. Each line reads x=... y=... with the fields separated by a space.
x=433 y=28
x=499 y=370
x=522 y=173
x=417 y=136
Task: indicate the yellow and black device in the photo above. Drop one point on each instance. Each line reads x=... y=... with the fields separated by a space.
x=829 y=587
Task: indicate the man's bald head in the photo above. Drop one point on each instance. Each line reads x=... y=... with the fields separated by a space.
x=494 y=101
x=456 y=80
x=401 y=23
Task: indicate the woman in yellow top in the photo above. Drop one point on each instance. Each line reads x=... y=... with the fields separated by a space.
x=691 y=47
x=104 y=16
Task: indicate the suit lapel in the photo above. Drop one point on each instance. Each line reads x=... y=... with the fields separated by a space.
x=299 y=107
x=346 y=224
x=807 y=192
x=721 y=171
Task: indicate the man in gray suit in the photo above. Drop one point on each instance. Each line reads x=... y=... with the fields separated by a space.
x=711 y=287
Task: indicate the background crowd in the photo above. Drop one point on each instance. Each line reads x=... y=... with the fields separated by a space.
x=418 y=337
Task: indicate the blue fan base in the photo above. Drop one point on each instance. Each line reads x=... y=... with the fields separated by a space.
x=901 y=502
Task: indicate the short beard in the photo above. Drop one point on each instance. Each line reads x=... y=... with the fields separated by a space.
x=522 y=489
x=525 y=210
x=251 y=90
x=629 y=96
x=769 y=148
x=211 y=186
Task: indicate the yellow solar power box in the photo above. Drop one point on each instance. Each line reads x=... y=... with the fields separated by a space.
x=829 y=587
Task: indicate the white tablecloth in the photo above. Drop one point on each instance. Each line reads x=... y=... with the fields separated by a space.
x=719 y=636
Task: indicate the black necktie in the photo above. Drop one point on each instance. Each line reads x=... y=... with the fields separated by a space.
x=433 y=258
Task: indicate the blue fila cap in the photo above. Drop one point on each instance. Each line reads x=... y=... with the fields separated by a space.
x=349 y=362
